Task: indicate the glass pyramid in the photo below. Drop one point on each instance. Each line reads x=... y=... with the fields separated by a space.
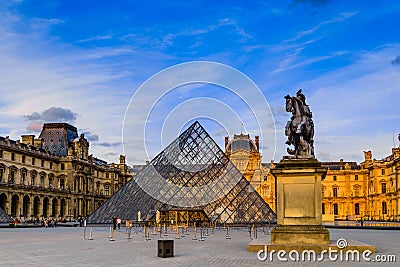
x=192 y=173
x=4 y=218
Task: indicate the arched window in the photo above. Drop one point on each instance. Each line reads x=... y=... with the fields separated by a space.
x=107 y=189
x=335 y=192
x=384 y=208
x=265 y=191
x=383 y=187
x=335 y=209
x=357 y=209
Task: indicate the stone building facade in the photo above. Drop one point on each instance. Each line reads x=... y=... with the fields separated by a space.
x=54 y=175
x=350 y=191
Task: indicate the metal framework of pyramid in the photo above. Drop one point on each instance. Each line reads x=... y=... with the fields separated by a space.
x=4 y=218
x=191 y=173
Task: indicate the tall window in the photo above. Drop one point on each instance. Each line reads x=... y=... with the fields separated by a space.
x=323 y=191
x=33 y=161
x=335 y=209
x=1 y=175
x=334 y=178
x=23 y=158
x=12 y=156
x=62 y=183
x=62 y=166
x=384 y=208
x=12 y=177
x=33 y=178
x=323 y=208
x=1 y=153
x=42 y=180
x=265 y=191
x=383 y=187
x=356 y=177
x=23 y=176
x=357 y=209
x=107 y=189
x=42 y=163
x=383 y=171
x=335 y=192
x=51 y=165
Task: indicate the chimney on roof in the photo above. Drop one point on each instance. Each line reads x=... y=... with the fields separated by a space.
x=28 y=139
x=226 y=141
x=38 y=142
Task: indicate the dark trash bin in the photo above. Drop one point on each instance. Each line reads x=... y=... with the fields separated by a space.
x=165 y=248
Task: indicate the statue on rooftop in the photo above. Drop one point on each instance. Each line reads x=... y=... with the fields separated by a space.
x=300 y=128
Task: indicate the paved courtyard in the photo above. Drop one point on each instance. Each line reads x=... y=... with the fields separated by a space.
x=64 y=246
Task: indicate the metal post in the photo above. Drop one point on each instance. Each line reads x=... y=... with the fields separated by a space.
x=129 y=233
x=194 y=232
x=91 y=233
x=112 y=234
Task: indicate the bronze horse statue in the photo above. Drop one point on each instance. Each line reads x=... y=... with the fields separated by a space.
x=300 y=129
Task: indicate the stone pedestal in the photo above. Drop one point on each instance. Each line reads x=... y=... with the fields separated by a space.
x=299 y=201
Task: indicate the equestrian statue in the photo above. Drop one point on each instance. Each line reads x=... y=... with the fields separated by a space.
x=300 y=129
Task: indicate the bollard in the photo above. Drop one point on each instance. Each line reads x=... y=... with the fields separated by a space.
x=201 y=234
x=112 y=234
x=84 y=233
x=228 y=233
x=154 y=230
x=91 y=233
x=165 y=230
x=148 y=235
x=183 y=231
x=249 y=233
x=194 y=233
x=129 y=233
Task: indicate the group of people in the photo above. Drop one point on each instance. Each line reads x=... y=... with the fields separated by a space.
x=116 y=222
x=49 y=222
x=45 y=222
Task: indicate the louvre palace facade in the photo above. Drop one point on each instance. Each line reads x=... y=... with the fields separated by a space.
x=350 y=191
x=54 y=175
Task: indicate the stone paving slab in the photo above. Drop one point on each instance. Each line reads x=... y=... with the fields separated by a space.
x=66 y=247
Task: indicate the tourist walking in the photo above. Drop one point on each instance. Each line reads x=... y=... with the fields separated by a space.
x=119 y=223
x=114 y=221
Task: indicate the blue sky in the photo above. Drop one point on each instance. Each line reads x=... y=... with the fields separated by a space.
x=82 y=61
